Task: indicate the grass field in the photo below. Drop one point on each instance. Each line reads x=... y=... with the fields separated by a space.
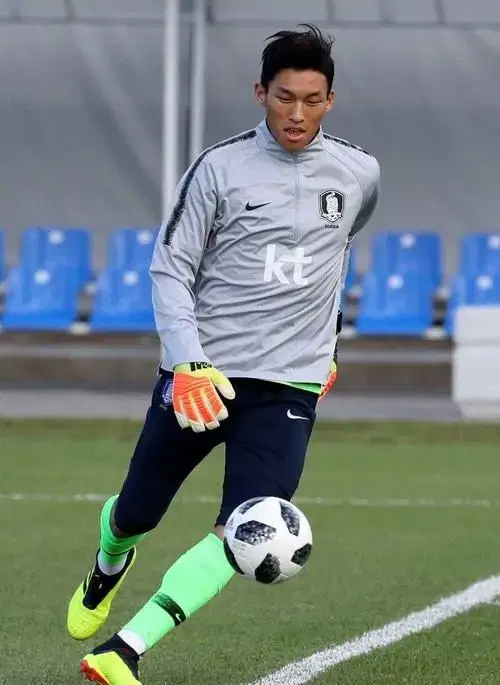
x=374 y=560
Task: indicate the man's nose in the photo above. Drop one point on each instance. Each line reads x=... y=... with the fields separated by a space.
x=297 y=114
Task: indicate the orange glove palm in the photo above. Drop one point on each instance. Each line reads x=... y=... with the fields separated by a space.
x=195 y=398
x=330 y=381
x=332 y=372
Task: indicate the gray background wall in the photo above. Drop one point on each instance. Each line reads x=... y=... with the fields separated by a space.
x=80 y=111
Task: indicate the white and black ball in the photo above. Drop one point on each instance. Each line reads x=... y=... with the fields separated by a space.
x=267 y=539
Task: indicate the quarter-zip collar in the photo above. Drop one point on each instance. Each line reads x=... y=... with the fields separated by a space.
x=269 y=142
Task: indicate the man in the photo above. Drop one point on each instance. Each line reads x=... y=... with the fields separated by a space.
x=247 y=279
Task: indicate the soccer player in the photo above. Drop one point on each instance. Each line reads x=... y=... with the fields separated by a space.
x=247 y=279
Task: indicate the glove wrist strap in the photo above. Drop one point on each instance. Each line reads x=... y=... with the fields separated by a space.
x=192 y=366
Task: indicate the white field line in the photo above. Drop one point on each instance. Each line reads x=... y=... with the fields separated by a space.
x=299 y=672
x=417 y=503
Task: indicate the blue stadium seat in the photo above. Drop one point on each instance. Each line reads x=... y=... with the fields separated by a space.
x=131 y=248
x=479 y=254
x=40 y=300
x=395 y=304
x=471 y=291
x=398 y=252
x=3 y=266
x=123 y=301
x=55 y=248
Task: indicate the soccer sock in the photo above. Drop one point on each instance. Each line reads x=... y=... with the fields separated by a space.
x=113 y=550
x=193 y=580
x=111 y=569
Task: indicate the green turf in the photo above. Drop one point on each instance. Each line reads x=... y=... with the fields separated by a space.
x=370 y=565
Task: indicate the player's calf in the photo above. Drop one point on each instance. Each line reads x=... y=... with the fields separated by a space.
x=193 y=580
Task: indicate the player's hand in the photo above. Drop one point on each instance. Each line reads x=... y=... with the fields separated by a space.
x=330 y=381
x=195 y=396
x=332 y=372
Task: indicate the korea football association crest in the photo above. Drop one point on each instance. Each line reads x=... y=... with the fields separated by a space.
x=331 y=206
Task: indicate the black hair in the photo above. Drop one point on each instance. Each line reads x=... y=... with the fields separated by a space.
x=308 y=49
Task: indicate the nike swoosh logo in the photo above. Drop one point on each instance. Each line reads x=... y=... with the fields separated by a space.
x=294 y=416
x=250 y=207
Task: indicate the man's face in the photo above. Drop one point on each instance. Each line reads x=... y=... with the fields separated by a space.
x=295 y=104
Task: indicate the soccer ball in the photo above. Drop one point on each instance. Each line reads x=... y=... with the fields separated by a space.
x=267 y=539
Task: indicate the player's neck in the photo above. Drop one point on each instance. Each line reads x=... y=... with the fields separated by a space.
x=315 y=141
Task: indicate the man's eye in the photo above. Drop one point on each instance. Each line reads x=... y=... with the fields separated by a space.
x=284 y=98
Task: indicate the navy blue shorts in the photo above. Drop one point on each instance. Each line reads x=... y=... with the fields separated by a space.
x=265 y=436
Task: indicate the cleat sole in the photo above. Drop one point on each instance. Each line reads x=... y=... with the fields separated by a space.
x=91 y=674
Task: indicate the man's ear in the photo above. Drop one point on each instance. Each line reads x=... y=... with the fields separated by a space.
x=260 y=94
x=330 y=100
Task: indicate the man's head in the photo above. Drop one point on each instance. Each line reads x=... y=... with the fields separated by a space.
x=295 y=86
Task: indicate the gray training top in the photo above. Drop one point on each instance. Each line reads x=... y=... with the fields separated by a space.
x=248 y=267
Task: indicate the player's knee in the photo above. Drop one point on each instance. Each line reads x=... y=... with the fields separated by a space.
x=219 y=531
x=126 y=522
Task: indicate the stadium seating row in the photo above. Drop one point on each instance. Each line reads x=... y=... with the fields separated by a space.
x=397 y=292
x=45 y=248
x=55 y=266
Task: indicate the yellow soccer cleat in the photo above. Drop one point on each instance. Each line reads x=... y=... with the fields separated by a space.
x=110 y=668
x=91 y=603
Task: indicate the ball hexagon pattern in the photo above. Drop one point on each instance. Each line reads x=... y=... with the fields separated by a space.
x=267 y=539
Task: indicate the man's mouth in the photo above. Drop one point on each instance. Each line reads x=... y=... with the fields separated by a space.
x=294 y=133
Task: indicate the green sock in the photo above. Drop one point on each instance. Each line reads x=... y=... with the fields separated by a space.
x=194 y=579
x=113 y=550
